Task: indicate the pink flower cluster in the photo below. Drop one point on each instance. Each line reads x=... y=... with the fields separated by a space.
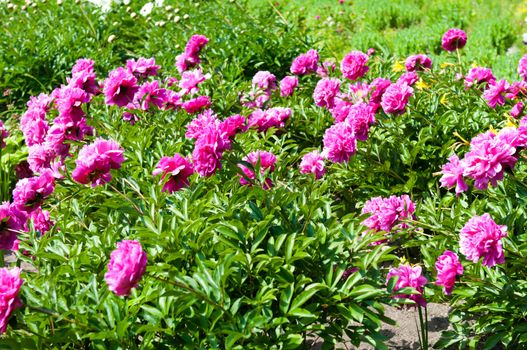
x=190 y=58
x=10 y=283
x=388 y=213
x=29 y=193
x=305 y=63
x=288 y=85
x=454 y=39
x=354 y=65
x=481 y=238
x=263 y=160
x=272 y=117
x=12 y=220
x=408 y=276
x=448 y=267
x=395 y=98
x=95 y=161
x=263 y=85
x=313 y=163
x=479 y=75
x=126 y=267
x=418 y=62
x=489 y=156
x=177 y=169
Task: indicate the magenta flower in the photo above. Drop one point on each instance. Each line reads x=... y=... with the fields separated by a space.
x=95 y=161
x=29 y=193
x=120 y=87
x=453 y=175
x=197 y=104
x=448 y=267
x=341 y=108
x=3 y=134
x=487 y=159
x=41 y=220
x=522 y=67
x=409 y=78
x=143 y=67
x=377 y=88
x=360 y=117
x=177 y=168
x=272 y=117
x=326 y=67
x=495 y=93
x=481 y=238
x=339 y=143
x=10 y=283
x=353 y=66
x=418 y=62
x=288 y=85
x=232 y=125
x=408 y=276
x=326 y=91
x=126 y=267
x=150 y=95
x=264 y=80
x=69 y=102
x=33 y=122
x=388 y=213
x=266 y=162
x=83 y=65
x=305 y=63
x=313 y=163
x=479 y=75
x=454 y=39
x=12 y=220
x=190 y=80
x=208 y=151
x=517 y=109
x=395 y=98
x=190 y=58
x=200 y=124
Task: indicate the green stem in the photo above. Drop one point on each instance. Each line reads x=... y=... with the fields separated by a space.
x=2 y=259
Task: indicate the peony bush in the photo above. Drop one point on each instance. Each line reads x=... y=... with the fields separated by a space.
x=185 y=206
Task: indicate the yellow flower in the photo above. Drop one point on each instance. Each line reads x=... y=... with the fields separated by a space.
x=421 y=85
x=446 y=64
x=492 y=130
x=398 y=67
x=444 y=100
x=511 y=122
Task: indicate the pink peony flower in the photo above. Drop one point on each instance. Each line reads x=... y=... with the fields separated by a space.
x=150 y=95
x=33 y=122
x=264 y=80
x=517 y=109
x=178 y=170
x=29 y=193
x=313 y=163
x=517 y=89
x=208 y=151
x=377 y=88
x=190 y=58
x=201 y=123
x=3 y=134
x=41 y=220
x=448 y=267
x=409 y=78
x=326 y=67
x=353 y=66
x=454 y=39
x=387 y=213
x=395 y=98
x=341 y=108
x=190 y=80
x=418 y=62
x=408 y=276
x=10 y=283
x=481 y=237
x=359 y=118
x=339 y=143
x=272 y=117
x=479 y=75
x=487 y=159
x=70 y=101
x=305 y=63
x=197 y=104
x=143 y=67
x=522 y=67
x=326 y=91
x=232 y=125
x=288 y=85
x=120 y=87
x=12 y=221
x=495 y=93
x=453 y=175
x=83 y=65
x=95 y=161
x=126 y=267
x=262 y=159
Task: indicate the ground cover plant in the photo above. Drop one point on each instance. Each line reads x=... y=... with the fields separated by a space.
x=238 y=185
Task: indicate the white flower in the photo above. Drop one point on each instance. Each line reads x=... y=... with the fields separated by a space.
x=147 y=9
